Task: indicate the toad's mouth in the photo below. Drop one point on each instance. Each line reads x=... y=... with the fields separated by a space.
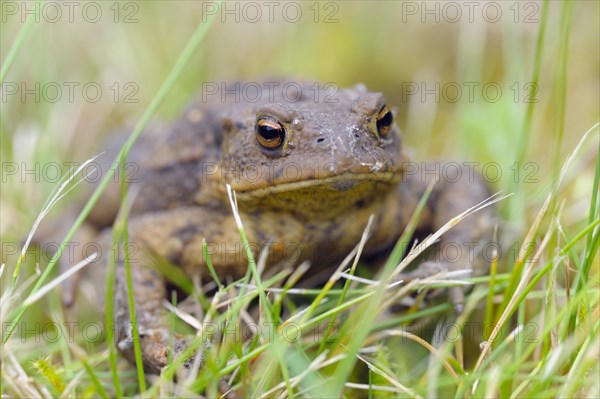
x=342 y=183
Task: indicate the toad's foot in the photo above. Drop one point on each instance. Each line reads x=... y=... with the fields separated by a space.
x=155 y=346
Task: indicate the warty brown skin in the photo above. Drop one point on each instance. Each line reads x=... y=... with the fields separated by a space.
x=311 y=196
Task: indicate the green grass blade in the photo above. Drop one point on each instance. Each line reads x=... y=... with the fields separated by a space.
x=96 y=381
x=109 y=320
x=16 y=46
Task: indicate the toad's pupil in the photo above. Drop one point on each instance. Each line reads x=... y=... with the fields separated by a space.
x=385 y=121
x=269 y=132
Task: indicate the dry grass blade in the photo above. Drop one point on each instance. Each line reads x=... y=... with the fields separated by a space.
x=19 y=383
x=420 y=341
x=318 y=363
x=188 y=318
x=432 y=239
x=10 y=298
x=575 y=151
x=54 y=198
x=297 y=291
x=363 y=280
x=438 y=279
x=233 y=299
x=69 y=391
x=234 y=207
x=301 y=315
x=366 y=387
x=522 y=284
x=355 y=254
x=57 y=281
x=392 y=381
x=314 y=365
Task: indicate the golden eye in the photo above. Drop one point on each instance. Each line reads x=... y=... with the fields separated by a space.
x=269 y=133
x=385 y=119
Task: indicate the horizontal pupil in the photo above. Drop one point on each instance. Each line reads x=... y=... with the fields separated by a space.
x=269 y=133
x=386 y=120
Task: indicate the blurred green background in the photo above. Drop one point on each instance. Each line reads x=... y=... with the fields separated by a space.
x=127 y=48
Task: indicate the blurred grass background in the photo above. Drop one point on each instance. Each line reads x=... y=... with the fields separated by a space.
x=384 y=44
x=379 y=43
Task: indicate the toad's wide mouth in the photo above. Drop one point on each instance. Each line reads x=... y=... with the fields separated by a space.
x=341 y=183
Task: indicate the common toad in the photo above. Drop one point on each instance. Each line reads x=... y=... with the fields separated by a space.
x=308 y=164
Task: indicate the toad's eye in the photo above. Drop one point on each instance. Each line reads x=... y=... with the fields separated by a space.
x=385 y=119
x=269 y=133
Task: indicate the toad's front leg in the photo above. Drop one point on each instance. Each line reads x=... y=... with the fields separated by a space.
x=152 y=317
x=462 y=247
x=174 y=236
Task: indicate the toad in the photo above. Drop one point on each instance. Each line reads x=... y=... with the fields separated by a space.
x=308 y=168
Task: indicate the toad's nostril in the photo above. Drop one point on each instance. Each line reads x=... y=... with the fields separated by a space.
x=320 y=140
